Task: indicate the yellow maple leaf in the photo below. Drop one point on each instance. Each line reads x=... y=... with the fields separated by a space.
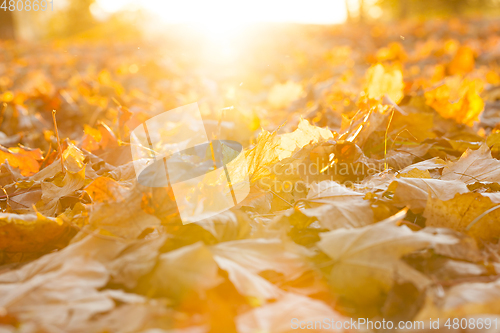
x=24 y=159
x=382 y=80
x=456 y=99
x=30 y=232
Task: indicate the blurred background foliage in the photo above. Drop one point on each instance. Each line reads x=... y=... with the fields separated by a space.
x=73 y=19
x=402 y=9
x=82 y=18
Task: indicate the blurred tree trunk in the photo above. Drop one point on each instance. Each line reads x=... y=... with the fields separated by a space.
x=348 y=12
x=6 y=24
x=457 y=7
x=362 y=11
x=404 y=9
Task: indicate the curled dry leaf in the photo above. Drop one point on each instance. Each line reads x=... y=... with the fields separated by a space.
x=286 y=315
x=459 y=212
x=466 y=299
x=26 y=160
x=271 y=148
x=366 y=260
x=32 y=233
x=414 y=192
x=474 y=166
x=52 y=192
x=185 y=271
x=105 y=189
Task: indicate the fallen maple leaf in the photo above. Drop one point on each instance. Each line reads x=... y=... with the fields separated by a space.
x=336 y=206
x=52 y=192
x=287 y=314
x=185 y=271
x=366 y=260
x=26 y=160
x=105 y=189
x=31 y=233
x=474 y=166
x=271 y=149
x=463 y=61
x=385 y=81
x=459 y=212
x=414 y=192
x=463 y=300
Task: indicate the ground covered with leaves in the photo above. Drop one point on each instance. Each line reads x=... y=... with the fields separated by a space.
x=375 y=181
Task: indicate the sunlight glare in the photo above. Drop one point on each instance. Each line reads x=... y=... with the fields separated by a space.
x=221 y=21
x=222 y=15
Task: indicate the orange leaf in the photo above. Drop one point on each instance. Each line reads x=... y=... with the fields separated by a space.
x=463 y=62
x=105 y=189
x=26 y=160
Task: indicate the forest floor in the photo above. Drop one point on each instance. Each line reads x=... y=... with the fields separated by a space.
x=372 y=159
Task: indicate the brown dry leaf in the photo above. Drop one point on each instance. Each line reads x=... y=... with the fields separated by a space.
x=465 y=249
x=185 y=271
x=52 y=192
x=414 y=192
x=257 y=200
x=8 y=174
x=414 y=126
x=474 y=166
x=26 y=160
x=431 y=164
x=31 y=233
x=286 y=315
x=62 y=291
x=248 y=283
x=226 y=226
x=245 y=263
x=405 y=156
x=330 y=189
x=349 y=213
x=336 y=206
x=459 y=212
x=244 y=260
x=466 y=299
x=382 y=80
x=137 y=259
x=366 y=260
x=123 y=218
x=138 y=314
x=258 y=255
x=64 y=299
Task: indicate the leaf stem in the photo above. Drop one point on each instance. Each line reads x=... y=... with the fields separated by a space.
x=2 y=112
x=481 y=216
x=58 y=140
x=385 y=141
